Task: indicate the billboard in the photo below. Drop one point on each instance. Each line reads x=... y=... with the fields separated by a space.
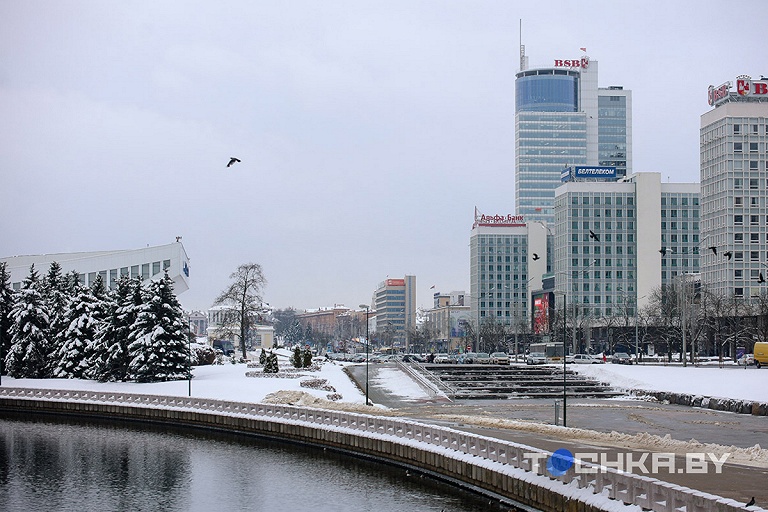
x=583 y=171
x=541 y=309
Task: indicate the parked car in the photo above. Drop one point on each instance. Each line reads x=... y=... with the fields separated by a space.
x=467 y=358
x=445 y=359
x=586 y=359
x=500 y=358
x=536 y=358
x=621 y=358
x=483 y=358
x=408 y=358
x=746 y=359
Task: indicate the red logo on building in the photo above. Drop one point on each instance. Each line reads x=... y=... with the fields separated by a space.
x=582 y=63
x=745 y=86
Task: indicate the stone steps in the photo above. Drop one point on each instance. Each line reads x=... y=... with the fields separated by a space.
x=517 y=381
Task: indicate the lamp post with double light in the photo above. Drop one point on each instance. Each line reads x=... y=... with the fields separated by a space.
x=367 y=344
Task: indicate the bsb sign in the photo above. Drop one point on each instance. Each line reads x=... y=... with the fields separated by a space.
x=745 y=86
x=582 y=63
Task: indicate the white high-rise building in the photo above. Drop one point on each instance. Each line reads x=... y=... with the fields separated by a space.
x=734 y=189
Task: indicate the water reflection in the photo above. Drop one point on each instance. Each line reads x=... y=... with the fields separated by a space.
x=66 y=466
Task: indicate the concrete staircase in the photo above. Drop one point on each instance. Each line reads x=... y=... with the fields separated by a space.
x=516 y=381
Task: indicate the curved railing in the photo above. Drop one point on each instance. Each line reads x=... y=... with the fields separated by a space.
x=505 y=457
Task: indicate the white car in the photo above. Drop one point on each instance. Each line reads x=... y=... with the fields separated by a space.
x=536 y=358
x=500 y=358
x=748 y=359
x=586 y=359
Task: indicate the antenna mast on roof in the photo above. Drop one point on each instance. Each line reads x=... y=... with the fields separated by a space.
x=523 y=58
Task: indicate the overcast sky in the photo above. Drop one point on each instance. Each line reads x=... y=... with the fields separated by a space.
x=368 y=131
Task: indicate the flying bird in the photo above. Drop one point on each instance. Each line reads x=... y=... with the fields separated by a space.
x=751 y=502
x=232 y=161
x=713 y=249
x=663 y=251
x=536 y=257
x=593 y=236
x=760 y=278
x=728 y=254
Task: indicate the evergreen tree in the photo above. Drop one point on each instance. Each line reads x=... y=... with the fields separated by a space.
x=110 y=361
x=271 y=365
x=57 y=295
x=6 y=306
x=26 y=357
x=307 y=355
x=297 y=359
x=73 y=356
x=262 y=356
x=158 y=343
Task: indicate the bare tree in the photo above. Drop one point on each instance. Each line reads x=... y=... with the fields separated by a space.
x=243 y=299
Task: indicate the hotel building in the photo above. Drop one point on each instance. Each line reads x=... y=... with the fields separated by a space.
x=734 y=189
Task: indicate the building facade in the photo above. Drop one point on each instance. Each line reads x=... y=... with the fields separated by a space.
x=563 y=119
x=147 y=263
x=508 y=257
x=450 y=318
x=618 y=242
x=394 y=310
x=734 y=189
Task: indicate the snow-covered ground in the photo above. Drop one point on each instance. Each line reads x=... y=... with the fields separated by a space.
x=728 y=382
x=229 y=382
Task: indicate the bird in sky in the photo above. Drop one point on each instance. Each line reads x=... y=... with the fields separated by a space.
x=536 y=257
x=751 y=502
x=760 y=278
x=663 y=251
x=232 y=161
x=593 y=236
x=713 y=249
x=728 y=254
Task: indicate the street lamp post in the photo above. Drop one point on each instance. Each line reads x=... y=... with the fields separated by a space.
x=565 y=336
x=367 y=344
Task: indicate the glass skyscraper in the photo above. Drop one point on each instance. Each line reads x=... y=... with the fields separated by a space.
x=563 y=119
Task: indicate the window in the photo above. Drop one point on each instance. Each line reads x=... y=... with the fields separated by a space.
x=753 y=166
x=754 y=238
x=738 y=183
x=753 y=147
x=736 y=129
x=738 y=238
x=737 y=147
x=738 y=274
x=754 y=256
x=753 y=219
x=738 y=220
x=738 y=202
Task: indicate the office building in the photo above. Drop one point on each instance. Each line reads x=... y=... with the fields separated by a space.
x=563 y=119
x=618 y=242
x=449 y=319
x=394 y=310
x=734 y=189
x=507 y=258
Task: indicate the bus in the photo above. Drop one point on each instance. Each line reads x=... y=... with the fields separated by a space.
x=553 y=351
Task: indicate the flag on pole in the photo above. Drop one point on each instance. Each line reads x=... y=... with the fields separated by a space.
x=583 y=49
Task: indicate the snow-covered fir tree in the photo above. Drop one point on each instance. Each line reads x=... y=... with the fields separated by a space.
x=56 y=293
x=297 y=359
x=6 y=305
x=111 y=355
x=270 y=364
x=83 y=320
x=158 y=344
x=26 y=357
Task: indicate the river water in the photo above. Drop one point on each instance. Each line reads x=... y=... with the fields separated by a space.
x=48 y=465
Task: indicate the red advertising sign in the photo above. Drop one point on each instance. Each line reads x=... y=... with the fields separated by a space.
x=573 y=63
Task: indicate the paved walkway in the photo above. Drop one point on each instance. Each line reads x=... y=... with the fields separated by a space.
x=738 y=482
